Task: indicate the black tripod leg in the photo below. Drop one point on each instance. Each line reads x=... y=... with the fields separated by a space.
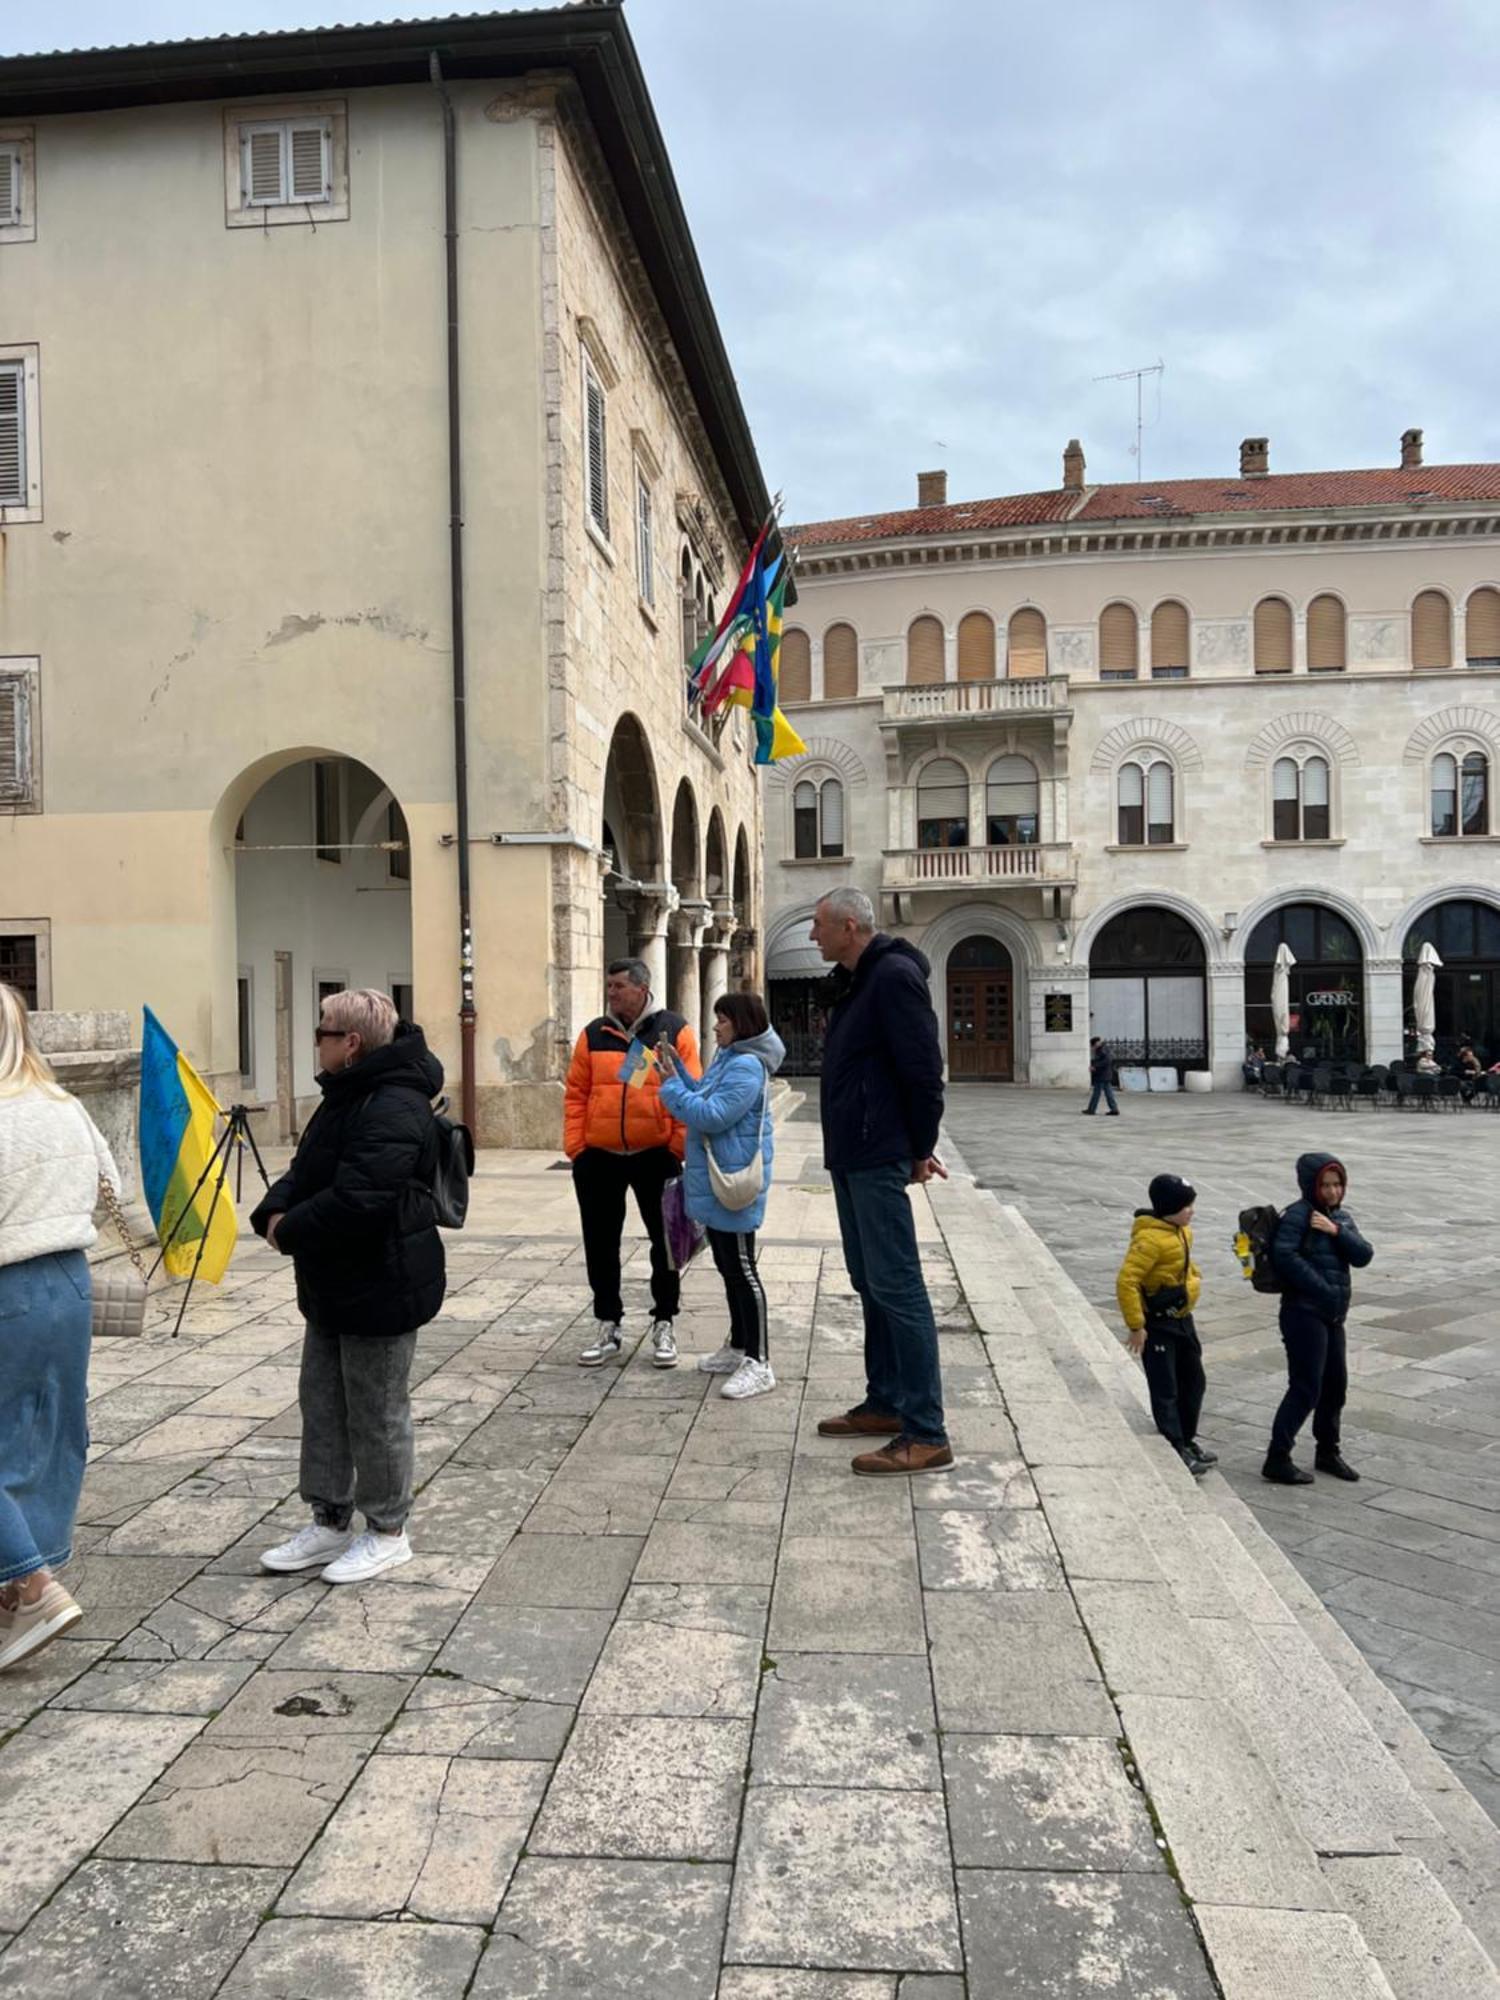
x=202 y=1246
x=221 y=1148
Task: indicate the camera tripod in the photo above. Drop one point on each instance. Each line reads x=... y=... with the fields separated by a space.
x=236 y=1135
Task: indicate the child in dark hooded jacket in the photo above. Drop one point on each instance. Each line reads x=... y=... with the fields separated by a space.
x=1315 y=1246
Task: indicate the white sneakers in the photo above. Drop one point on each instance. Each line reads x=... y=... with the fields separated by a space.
x=663 y=1344
x=340 y=1554
x=724 y=1362
x=605 y=1346
x=751 y=1378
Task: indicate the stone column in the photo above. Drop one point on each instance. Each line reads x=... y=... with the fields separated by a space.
x=648 y=908
x=688 y=924
x=1384 y=1011
x=716 y=940
x=1226 y=1022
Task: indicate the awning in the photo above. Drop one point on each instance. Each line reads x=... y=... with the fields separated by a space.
x=796 y=957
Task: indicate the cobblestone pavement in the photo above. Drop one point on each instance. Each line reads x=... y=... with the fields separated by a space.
x=660 y=1706
x=1408 y=1561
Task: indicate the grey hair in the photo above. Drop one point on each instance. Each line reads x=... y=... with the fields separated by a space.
x=853 y=904
x=362 y=1011
x=635 y=970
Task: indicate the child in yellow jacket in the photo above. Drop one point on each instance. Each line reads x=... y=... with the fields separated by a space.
x=1158 y=1288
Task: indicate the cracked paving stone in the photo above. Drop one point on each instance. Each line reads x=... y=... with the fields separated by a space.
x=1083 y=1937
x=468 y=1507
x=373 y=1629
x=831 y=1718
x=314 y=1958
x=259 y=1804
x=651 y=1669
x=607 y=1930
x=646 y=1787
x=563 y=1572
x=778 y=1982
x=444 y=1716
x=280 y=1707
x=520 y=1650
x=153 y=1687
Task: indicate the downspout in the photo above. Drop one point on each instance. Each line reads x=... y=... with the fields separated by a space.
x=466 y=1013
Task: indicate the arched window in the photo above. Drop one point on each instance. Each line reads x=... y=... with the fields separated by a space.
x=689 y=608
x=1300 y=797
x=840 y=663
x=1119 y=643
x=1026 y=646
x=976 y=647
x=943 y=804
x=1273 y=636
x=1431 y=630
x=1169 y=642
x=1460 y=794
x=924 y=653
x=794 y=676
x=1011 y=801
x=1326 y=652
x=817 y=819
x=1482 y=628
x=1145 y=794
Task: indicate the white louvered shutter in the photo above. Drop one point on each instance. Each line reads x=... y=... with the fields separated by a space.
x=311 y=151
x=1316 y=822
x=12 y=435
x=260 y=152
x=10 y=186
x=15 y=740
x=596 y=445
x=1159 y=802
x=833 y=817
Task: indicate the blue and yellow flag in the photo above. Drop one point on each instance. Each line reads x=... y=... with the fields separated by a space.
x=177 y=1142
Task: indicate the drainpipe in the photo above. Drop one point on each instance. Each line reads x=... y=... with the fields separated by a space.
x=466 y=1014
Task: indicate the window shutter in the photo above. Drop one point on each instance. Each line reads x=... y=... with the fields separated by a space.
x=976 y=647
x=15 y=740
x=1169 y=636
x=261 y=153
x=595 y=447
x=833 y=817
x=645 y=541
x=1445 y=794
x=795 y=678
x=943 y=791
x=1315 y=782
x=310 y=151
x=1118 y=642
x=1131 y=792
x=12 y=435
x=1132 y=785
x=805 y=820
x=1286 y=818
x=1273 y=636
x=840 y=663
x=10 y=186
x=1026 y=653
x=1431 y=631
x=1483 y=626
x=1284 y=779
x=1159 y=798
x=924 y=653
x=1325 y=636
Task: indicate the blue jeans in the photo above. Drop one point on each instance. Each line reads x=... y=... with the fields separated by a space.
x=903 y=1377
x=1102 y=1087
x=44 y=1438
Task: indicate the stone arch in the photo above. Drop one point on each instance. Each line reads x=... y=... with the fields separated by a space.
x=946 y=932
x=687 y=851
x=1449 y=892
x=632 y=808
x=1354 y=914
x=1467 y=720
x=715 y=857
x=846 y=762
x=1166 y=899
x=1302 y=726
x=744 y=881
x=1140 y=733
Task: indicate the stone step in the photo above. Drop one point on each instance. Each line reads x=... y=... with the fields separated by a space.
x=1278 y=1764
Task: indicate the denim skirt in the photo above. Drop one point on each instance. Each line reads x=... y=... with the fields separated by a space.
x=44 y=1364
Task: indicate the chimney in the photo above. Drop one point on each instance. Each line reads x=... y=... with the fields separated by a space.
x=932 y=489
x=1411 y=449
x=1255 y=458
x=1073 y=467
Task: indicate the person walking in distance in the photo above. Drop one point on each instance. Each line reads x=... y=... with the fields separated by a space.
x=1314 y=1249
x=621 y=1138
x=1101 y=1077
x=882 y=1104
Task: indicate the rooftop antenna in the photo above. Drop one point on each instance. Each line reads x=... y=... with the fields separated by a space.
x=1138 y=376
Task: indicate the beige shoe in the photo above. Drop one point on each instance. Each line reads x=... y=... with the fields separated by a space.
x=37 y=1624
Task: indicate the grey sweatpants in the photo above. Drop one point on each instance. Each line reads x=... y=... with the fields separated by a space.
x=356 y=1427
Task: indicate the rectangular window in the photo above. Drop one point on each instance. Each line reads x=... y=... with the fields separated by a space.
x=398 y=859
x=19 y=761
x=17 y=184
x=12 y=434
x=595 y=449
x=10 y=184
x=286 y=160
x=327 y=984
x=1169 y=673
x=401 y=994
x=246 y=1013
x=328 y=831
x=1117 y=674
x=645 y=545
x=18 y=964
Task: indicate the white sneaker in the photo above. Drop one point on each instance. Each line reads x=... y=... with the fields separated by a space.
x=367 y=1555
x=725 y=1362
x=663 y=1344
x=309 y=1548
x=751 y=1378
x=606 y=1346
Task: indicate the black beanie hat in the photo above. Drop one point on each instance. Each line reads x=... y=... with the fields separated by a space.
x=1168 y=1194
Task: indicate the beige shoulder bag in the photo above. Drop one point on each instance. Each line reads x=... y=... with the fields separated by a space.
x=119 y=1296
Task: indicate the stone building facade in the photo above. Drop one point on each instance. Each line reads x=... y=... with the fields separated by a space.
x=230 y=732
x=1099 y=750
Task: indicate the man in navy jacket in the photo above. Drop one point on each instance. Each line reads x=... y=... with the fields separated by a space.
x=882 y=1103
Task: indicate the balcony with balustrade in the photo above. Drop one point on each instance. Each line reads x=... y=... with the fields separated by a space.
x=949 y=703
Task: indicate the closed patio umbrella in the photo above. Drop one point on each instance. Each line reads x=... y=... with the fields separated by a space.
x=1281 y=999
x=1424 y=997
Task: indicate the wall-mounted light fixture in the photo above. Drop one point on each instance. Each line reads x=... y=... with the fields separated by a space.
x=1231 y=922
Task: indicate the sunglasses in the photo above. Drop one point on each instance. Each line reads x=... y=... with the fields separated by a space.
x=323 y=1034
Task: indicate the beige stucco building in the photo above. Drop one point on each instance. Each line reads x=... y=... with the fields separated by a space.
x=235 y=762
x=1098 y=750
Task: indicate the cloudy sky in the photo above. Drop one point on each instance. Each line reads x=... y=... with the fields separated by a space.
x=928 y=228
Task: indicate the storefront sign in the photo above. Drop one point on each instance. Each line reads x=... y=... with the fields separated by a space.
x=1057 y=1011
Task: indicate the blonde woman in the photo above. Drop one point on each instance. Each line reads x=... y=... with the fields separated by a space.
x=51 y=1161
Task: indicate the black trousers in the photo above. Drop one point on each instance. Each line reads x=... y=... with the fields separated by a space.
x=600 y=1181
x=1317 y=1371
x=734 y=1253
x=1173 y=1355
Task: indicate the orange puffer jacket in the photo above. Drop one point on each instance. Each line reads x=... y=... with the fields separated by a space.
x=600 y=1110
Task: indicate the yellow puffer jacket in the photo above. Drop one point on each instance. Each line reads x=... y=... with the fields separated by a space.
x=1160 y=1255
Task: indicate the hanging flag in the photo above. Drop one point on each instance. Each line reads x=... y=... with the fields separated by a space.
x=178 y=1139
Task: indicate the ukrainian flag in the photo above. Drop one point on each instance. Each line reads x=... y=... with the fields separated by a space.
x=177 y=1141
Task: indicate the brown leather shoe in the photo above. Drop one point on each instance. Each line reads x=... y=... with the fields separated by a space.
x=903 y=1455
x=859 y=1423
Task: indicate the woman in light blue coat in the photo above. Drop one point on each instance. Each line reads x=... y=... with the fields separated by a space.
x=729 y=1109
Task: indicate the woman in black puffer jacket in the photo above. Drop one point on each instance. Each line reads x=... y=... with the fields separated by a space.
x=355 y=1213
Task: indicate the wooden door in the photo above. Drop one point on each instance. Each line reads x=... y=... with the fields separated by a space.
x=980 y=983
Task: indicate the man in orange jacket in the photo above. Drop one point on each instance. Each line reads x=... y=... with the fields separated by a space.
x=618 y=1136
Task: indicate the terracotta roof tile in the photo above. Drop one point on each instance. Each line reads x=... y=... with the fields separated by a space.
x=1018 y=510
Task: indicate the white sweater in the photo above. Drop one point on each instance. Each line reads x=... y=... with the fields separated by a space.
x=51 y=1158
